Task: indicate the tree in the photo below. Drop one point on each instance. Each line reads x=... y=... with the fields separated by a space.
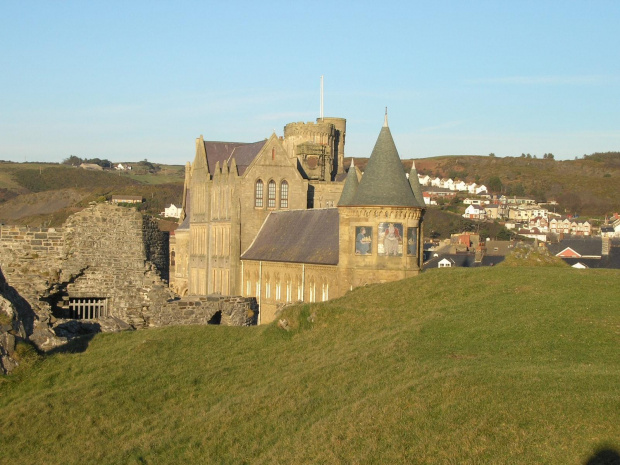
x=492 y=155
x=72 y=160
x=519 y=190
x=495 y=184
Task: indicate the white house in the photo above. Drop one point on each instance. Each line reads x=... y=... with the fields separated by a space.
x=428 y=200
x=121 y=167
x=445 y=263
x=480 y=189
x=460 y=186
x=475 y=212
x=436 y=182
x=424 y=180
x=172 y=211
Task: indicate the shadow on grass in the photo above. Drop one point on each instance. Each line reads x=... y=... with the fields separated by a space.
x=79 y=334
x=74 y=346
x=604 y=456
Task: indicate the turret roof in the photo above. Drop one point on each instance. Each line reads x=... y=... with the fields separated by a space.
x=384 y=182
x=415 y=185
x=350 y=186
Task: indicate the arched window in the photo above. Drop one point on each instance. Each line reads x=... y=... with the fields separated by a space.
x=271 y=194
x=258 y=194
x=284 y=194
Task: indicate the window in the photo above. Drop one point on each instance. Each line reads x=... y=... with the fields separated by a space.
x=284 y=194
x=271 y=194
x=258 y=194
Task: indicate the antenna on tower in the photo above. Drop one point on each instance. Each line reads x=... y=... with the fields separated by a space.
x=321 y=115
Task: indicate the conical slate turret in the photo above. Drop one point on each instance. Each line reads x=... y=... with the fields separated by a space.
x=384 y=182
x=414 y=181
x=350 y=186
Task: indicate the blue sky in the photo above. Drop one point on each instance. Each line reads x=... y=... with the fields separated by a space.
x=133 y=80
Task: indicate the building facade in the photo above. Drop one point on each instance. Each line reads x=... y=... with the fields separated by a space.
x=276 y=219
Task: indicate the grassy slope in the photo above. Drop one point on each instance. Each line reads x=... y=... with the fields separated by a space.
x=588 y=186
x=24 y=184
x=495 y=365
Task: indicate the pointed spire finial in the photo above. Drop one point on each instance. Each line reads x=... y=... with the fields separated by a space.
x=385 y=123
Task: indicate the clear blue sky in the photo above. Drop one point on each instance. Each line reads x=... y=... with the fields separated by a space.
x=132 y=80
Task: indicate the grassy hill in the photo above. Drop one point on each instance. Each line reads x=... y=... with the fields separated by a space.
x=45 y=193
x=587 y=186
x=495 y=365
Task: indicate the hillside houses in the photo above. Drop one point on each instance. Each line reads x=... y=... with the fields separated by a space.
x=568 y=226
x=452 y=184
x=520 y=213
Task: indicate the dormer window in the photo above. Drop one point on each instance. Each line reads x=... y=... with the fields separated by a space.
x=271 y=194
x=284 y=194
x=258 y=194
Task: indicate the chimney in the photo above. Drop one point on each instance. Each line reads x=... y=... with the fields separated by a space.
x=605 y=246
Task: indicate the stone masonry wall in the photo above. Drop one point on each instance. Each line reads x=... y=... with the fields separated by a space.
x=201 y=310
x=11 y=328
x=104 y=252
x=156 y=246
x=106 y=257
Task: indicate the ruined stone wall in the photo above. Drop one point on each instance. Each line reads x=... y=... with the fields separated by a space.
x=106 y=249
x=156 y=246
x=103 y=252
x=201 y=310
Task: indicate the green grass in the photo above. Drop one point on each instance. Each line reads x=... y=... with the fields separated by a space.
x=495 y=365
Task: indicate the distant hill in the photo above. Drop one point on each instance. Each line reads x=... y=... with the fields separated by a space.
x=453 y=366
x=45 y=194
x=586 y=186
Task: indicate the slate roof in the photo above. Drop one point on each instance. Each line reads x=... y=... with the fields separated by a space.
x=384 y=182
x=185 y=223
x=223 y=152
x=350 y=187
x=584 y=246
x=608 y=261
x=590 y=248
x=460 y=260
x=467 y=260
x=415 y=186
x=297 y=236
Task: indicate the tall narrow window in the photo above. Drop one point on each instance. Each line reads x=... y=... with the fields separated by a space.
x=284 y=194
x=271 y=194
x=258 y=194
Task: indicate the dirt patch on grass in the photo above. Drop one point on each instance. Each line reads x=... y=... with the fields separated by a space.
x=41 y=203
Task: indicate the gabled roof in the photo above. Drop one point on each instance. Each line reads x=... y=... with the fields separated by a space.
x=224 y=152
x=585 y=246
x=297 y=236
x=384 y=182
x=244 y=154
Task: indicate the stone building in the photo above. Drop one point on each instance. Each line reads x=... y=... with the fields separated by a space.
x=283 y=227
x=232 y=187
